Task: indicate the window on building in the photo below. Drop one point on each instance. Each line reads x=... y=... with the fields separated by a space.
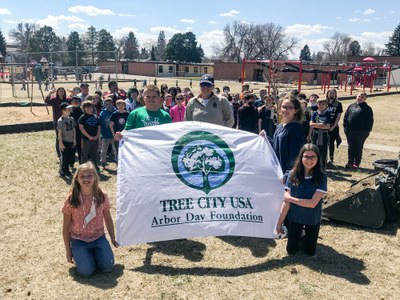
x=196 y=70
x=171 y=69
x=160 y=69
x=186 y=69
x=205 y=70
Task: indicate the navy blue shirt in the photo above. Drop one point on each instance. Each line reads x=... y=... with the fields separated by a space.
x=305 y=190
x=119 y=120
x=90 y=123
x=287 y=142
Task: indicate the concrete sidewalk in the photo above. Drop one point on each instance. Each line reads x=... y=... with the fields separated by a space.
x=379 y=147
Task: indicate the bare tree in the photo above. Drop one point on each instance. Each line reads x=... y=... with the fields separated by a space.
x=369 y=49
x=23 y=33
x=261 y=41
x=338 y=47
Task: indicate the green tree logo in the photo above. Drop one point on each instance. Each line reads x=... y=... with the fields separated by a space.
x=203 y=161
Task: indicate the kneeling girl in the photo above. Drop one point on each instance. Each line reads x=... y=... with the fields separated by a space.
x=85 y=211
x=305 y=187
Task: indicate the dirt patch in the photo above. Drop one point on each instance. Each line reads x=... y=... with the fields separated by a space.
x=17 y=115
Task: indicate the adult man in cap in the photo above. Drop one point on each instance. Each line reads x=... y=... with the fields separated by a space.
x=208 y=107
x=84 y=91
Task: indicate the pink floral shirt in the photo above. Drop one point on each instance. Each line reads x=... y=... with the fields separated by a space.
x=177 y=113
x=95 y=228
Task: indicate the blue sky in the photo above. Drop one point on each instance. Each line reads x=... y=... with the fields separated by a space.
x=311 y=22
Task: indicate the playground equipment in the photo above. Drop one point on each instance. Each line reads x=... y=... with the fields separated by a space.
x=352 y=75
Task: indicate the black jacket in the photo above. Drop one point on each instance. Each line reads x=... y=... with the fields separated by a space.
x=358 y=117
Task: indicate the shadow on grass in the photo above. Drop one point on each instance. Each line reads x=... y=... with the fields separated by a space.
x=103 y=281
x=388 y=228
x=327 y=261
x=339 y=175
x=190 y=250
x=258 y=246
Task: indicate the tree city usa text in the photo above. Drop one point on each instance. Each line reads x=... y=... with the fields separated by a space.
x=175 y=205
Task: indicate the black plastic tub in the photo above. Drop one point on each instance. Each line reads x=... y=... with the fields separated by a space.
x=382 y=164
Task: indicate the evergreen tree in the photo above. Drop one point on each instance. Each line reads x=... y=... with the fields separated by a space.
x=45 y=40
x=153 y=54
x=305 y=54
x=182 y=47
x=160 y=46
x=355 y=48
x=3 y=45
x=90 y=42
x=131 y=47
x=105 y=43
x=75 y=48
x=393 y=47
x=144 y=54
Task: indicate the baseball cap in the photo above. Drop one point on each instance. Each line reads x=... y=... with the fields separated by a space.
x=207 y=78
x=75 y=98
x=84 y=85
x=64 y=105
x=314 y=95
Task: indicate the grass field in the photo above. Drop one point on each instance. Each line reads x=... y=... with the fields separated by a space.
x=351 y=263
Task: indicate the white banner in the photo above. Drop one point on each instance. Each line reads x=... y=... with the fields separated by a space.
x=192 y=179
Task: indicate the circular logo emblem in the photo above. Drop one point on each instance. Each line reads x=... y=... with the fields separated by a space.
x=203 y=161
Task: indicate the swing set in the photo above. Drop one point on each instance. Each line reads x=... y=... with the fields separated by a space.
x=349 y=76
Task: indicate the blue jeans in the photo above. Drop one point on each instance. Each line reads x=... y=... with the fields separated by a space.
x=90 y=255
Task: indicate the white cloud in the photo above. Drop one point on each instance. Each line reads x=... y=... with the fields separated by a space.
x=213 y=22
x=90 y=10
x=369 y=11
x=354 y=20
x=315 y=45
x=157 y=29
x=5 y=11
x=208 y=41
x=121 y=32
x=19 y=21
x=190 y=21
x=143 y=38
x=377 y=36
x=339 y=18
x=305 y=30
x=125 y=15
x=231 y=13
x=392 y=12
x=80 y=26
x=54 y=21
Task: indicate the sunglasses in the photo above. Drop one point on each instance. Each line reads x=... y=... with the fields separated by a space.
x=310 y=157
x=205 y=84
x=178 y=98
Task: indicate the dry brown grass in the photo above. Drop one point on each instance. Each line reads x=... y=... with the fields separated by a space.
x=352 y=262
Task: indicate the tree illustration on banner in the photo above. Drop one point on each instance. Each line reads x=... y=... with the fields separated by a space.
x=205 y=160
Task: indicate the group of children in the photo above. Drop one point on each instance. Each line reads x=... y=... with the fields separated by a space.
x=87 y=208
x=84 y=130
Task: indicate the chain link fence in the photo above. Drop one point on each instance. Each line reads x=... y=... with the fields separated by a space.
x=26 y=77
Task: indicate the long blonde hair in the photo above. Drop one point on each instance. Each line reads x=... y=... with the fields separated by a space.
x=75 y=187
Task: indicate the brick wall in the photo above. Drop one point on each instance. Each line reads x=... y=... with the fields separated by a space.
x=142 y=68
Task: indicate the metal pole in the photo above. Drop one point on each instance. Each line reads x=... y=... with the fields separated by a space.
x=269 y=77
x=388 y=84
x=243 y=67
x=300 y=76
x=116 y=67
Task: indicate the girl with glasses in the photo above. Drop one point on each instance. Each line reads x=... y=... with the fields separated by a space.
x=305 y=187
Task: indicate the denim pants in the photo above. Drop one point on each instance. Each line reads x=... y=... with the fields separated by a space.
x=93 y=255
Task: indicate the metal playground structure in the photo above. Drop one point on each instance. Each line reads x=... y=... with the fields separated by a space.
x=368 y=74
